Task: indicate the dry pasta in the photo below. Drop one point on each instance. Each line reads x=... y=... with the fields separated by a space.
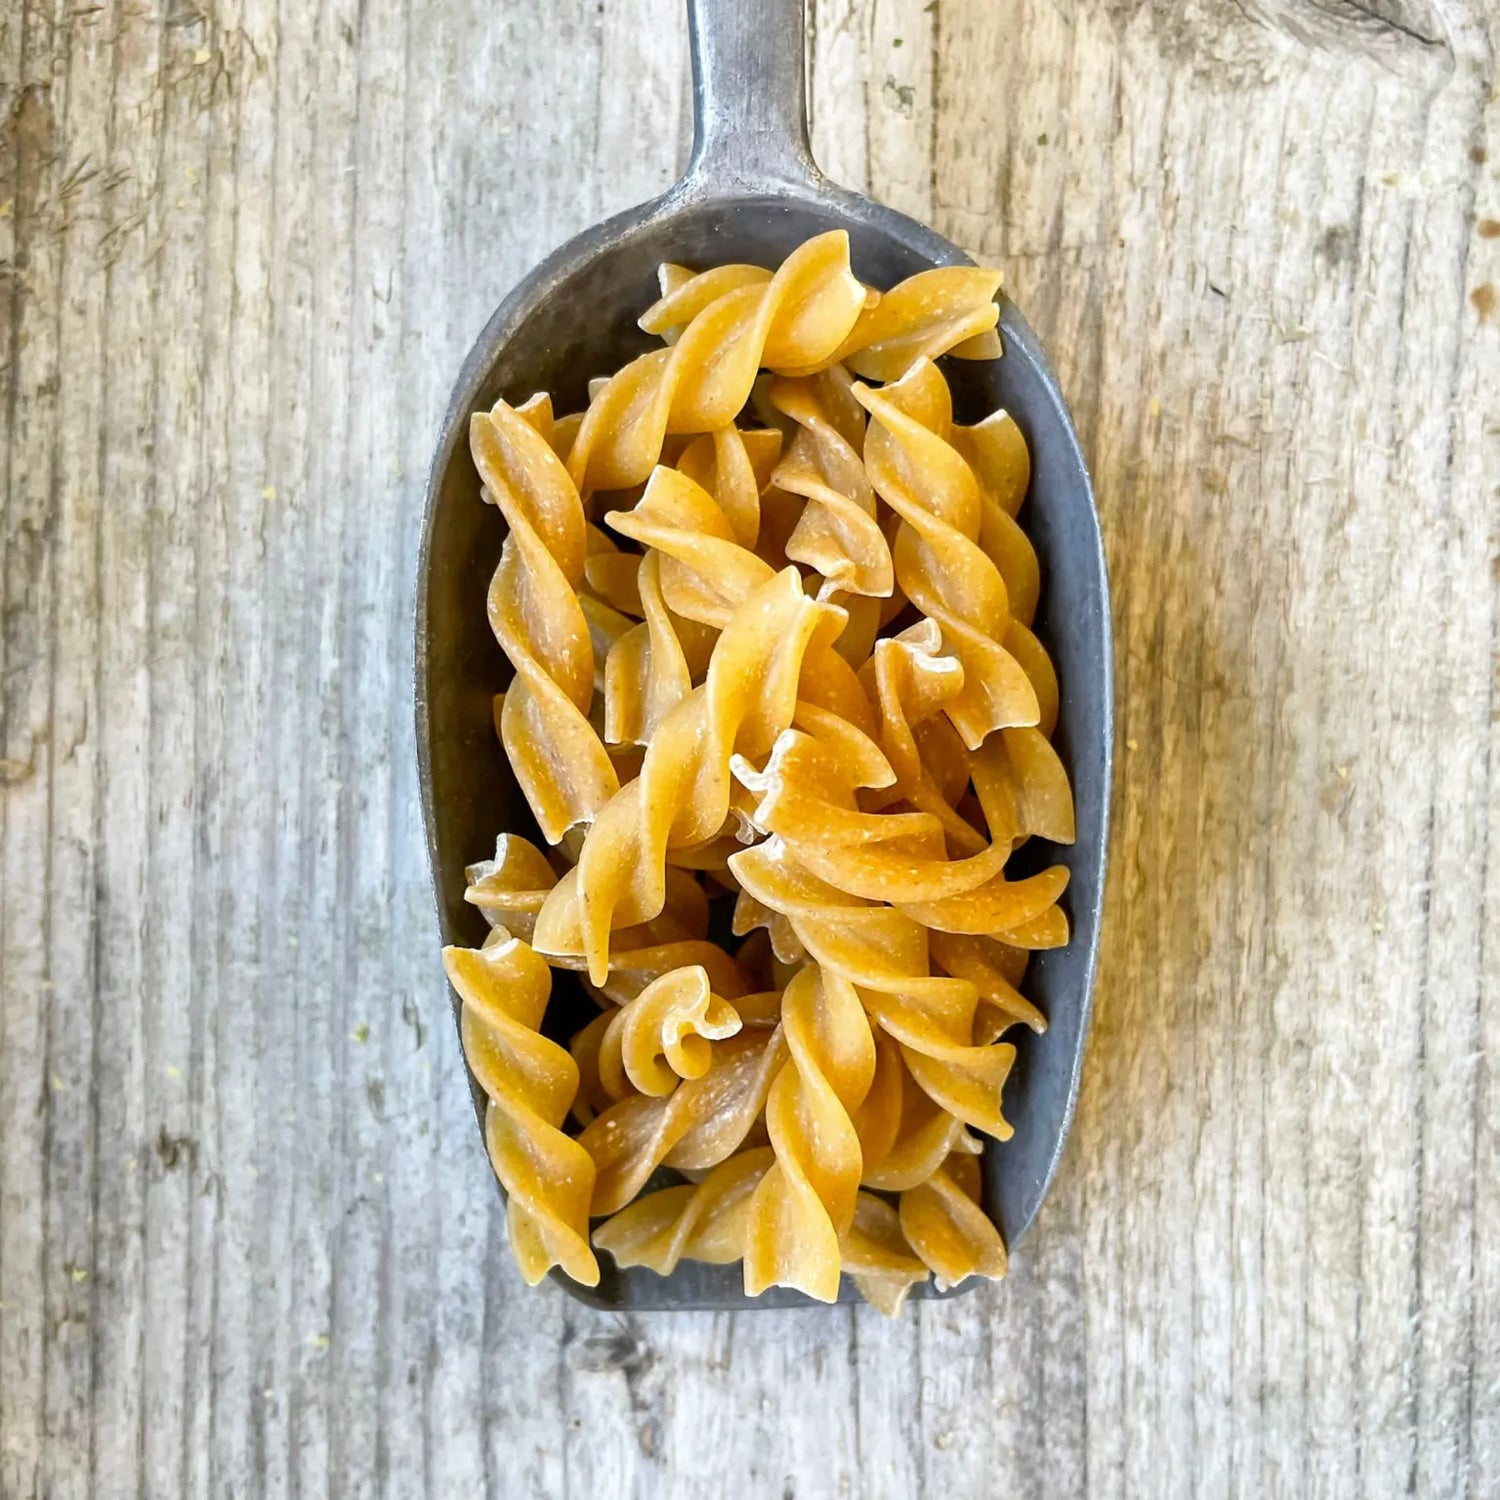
x=698 y=1221
x=950 y=1232
x=804 y=1204
x=559 y=759
x=666 y=1033
x=939 y=563
x=530 y=1082
x=838 y=532
x=770 y=613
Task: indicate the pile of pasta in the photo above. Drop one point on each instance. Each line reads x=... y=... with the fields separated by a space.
x=768 y=607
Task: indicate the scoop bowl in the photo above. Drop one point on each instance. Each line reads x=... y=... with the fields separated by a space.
x=752 y=193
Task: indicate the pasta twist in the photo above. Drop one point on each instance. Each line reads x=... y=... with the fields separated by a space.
x=939 y=563
x=838 y=533
x=734 y=466
x=950 y=310
x=998 y=458
x=948 y=1229
x=1022 y=787
x=883 y=952
x=994 y=970
x=1050 y=930
x=911 y=681
x=877 y=1257
x=697 y=1125
x=996 y=452
x=646 y=674
x=807 y=798
x=805 y=1202
x=559 y=759
x=705 y=1221
x=904 y=1135
x=681 y=796
x=665 y=1034
x=510 y=888
x=530 y=1083
x=730 y=325
x=707 y=575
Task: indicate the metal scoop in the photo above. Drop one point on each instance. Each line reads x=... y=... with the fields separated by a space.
x=752 y=193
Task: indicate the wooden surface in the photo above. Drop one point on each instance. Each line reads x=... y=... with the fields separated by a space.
x=248 y=1244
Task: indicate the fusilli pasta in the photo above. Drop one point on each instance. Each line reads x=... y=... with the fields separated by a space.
x=769 y=609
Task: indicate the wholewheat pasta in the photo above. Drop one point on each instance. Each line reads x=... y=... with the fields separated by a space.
x=780 y=716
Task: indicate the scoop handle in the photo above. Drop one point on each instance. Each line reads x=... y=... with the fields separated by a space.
x=749 y=95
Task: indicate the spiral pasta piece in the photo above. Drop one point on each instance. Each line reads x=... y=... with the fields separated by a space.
x=530 y=1083
x=1049 y=930
x=988 y=966
x=559 y=760
x=951 y=1232
x=735 y=1090
x=612 y=604
x=877 y=1258
x=805 y=1202
x=807 y=798
x=681 y=796
x=665 y=1034
x=797 y=318
x=911 y=681
x=702 y=1221
x=510 y=888
x=557 y=432
x=707 y=575
x=734 y=466
x=1023 y=788
x=917 y=1135
x=965 y=1079
x=838 y=533
x=699 y=1124
x=939 y=564
x=996 y=453
x=646 y=675
x=685 y=293
x=884 y=953
x=948 y=310
x=999 y=907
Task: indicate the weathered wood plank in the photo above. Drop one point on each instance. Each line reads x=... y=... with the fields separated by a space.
x=31 y=372
x=248 y=1243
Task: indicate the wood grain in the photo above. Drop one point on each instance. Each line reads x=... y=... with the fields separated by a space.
x=248 y=1244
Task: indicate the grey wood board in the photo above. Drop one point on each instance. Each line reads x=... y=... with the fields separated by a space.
x=248 y=1242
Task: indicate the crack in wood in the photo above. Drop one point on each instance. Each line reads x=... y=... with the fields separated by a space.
x=1397 y=34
